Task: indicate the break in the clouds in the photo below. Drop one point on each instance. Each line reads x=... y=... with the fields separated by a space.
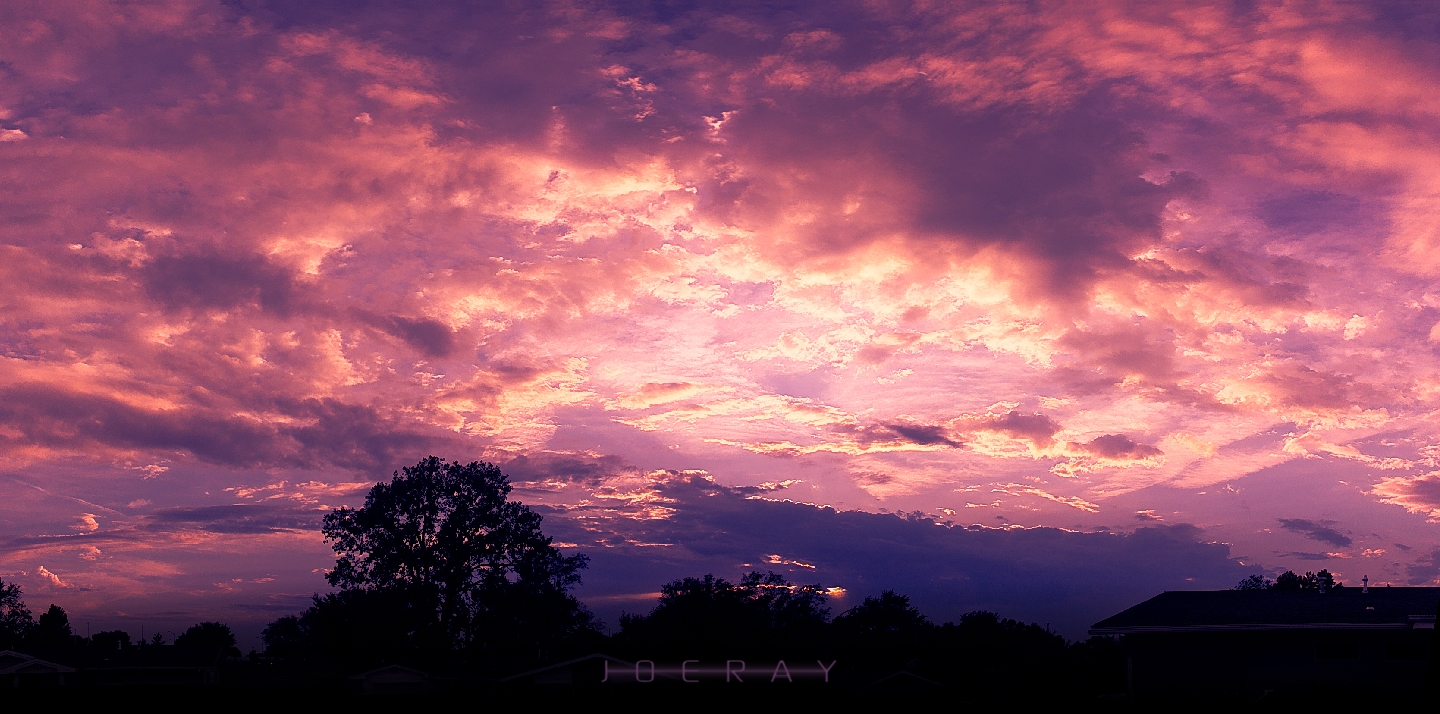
x=998 y=264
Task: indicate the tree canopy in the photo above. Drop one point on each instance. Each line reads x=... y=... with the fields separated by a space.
x=712 y=614
x=208 y=640
x=1255 y=582
x=1288 y=580
x=465 y=566
x=1322 y=580
x=15 y=619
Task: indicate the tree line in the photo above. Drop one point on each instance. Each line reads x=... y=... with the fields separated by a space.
x=1289 y=580
x=441 y=571
x=50 y=636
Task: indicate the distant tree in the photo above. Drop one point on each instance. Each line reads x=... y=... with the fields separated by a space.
x=16 y=622
x=991 y=659
x=883 y=632
x=992 y=638
x=437 y=561
x=108 y=641
x=712 y=616
x=891 y=612
x=207 y=641
x=357 y=629
x=52 y=630
x=1288 y=580
x=285 y=639
x=1255 y=582
x=1324 y=580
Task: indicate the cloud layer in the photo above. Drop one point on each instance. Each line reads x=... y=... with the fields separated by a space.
x=995 y=265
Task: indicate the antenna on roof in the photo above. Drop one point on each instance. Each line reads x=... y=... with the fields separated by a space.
x=1365 y=584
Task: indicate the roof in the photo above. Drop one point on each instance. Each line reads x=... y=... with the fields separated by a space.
x=567 y=663
x=1254 y=610
x=12 y=662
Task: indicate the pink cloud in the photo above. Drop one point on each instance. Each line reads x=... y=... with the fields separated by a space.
x=1126 y=246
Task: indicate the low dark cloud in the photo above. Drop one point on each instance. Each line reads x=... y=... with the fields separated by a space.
x=313 y=431
x=1316 y=530
x=236 y=518
x=209 y=279
x=588 y=470
x=1308 y=211
x=1037 y=428
x=1302 y=555
x=1066 y=578
x=1116 y=446
x=1425 y=570
x=922 y=434
x=430 y=337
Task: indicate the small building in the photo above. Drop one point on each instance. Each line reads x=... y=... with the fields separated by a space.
x=1246 y=642
x=21 y=670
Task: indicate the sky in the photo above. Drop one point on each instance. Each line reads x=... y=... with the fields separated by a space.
x=1042 y=307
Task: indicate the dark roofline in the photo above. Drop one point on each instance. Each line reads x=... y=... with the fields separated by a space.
x=1355 y=609
x=567 y=663
x=30 y=660
x=1252 y=627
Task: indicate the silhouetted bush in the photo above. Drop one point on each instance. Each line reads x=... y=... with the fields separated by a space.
x=762 y=615
x=207 y=642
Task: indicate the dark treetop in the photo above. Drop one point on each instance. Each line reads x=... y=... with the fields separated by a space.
x=463 y=555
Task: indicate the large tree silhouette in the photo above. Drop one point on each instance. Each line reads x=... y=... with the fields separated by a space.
x=471 y=567
x=16 y=622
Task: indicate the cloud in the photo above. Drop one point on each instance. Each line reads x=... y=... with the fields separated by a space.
x=1069 y=578
x=1116 y=446
x=1313 y=530
x=51 y=578
x=1300 y=555
x=1416 y=494
x=1038 y=429
x=1425 y=570
x=296 y=432
x=861 y=246
x=430 y=337
x=232 y=519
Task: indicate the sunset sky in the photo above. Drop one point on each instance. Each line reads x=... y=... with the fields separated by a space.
x=1039 y=308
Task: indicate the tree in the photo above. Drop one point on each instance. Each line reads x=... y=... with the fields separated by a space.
x=712 y=616
x=207 y=641
x=883 y=632
x=110 y=641
x=891 y=612
x=16 y=622
x=286 y=639
x=1322 y=580
x=52 y=629
x=1255 y=582
x=472 y=567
